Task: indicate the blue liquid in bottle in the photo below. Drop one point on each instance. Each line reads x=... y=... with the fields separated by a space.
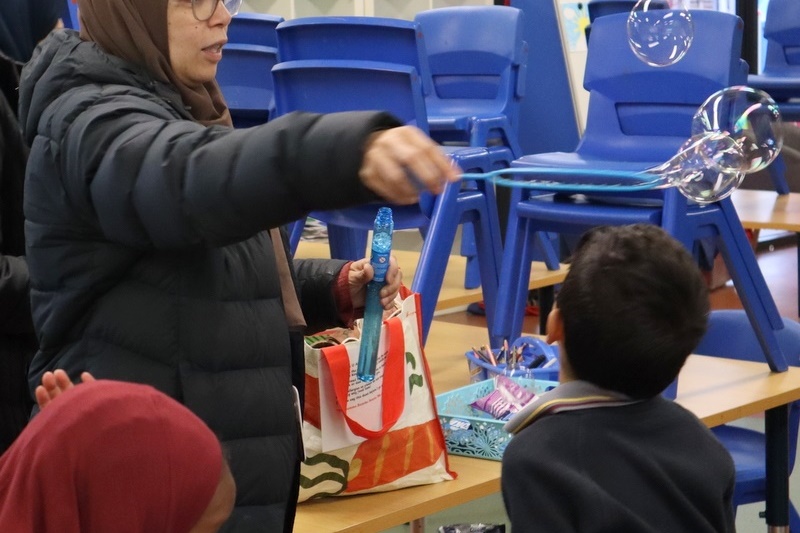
x=373 y=311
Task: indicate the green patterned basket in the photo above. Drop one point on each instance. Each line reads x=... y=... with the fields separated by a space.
x=473 y=433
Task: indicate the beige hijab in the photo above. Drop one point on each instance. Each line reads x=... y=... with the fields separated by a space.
x=136 y=31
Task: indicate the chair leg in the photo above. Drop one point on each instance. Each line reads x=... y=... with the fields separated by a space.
x=794 y=519
x=723 y=222
x=489 y=253
x=432 y=263
x=547 y=248
x=295 y=230
x=777 y=172
x=751 y=285
x=469 y=251
x=512 y=292
x=500 y=157
x=347 y=243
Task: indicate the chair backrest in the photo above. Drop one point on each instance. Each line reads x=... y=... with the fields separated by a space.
x=329 y=86
x=476 y=53
x=245 y=78
x=731 y=335
x=70 y=15
x=598 y=8
x=782 y=32
x=638 y=112
x=382 y=39
x=254 y=28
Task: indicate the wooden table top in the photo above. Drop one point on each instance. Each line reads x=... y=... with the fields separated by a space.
x=453 y=294
x=767 y=209
x=717 y=390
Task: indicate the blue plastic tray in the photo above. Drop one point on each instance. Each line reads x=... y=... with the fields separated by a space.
x=473 y=433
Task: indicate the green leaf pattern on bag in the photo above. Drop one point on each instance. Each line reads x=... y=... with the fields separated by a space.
x=413 y=379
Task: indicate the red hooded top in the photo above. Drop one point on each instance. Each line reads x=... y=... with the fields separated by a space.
x=109 y=456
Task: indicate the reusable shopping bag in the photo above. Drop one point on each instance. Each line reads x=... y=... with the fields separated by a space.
x=378 y=436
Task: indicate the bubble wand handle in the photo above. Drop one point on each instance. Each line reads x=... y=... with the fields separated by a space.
x=373 y=310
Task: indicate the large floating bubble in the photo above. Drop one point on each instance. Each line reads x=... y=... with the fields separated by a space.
x=748 y=116
x=658 y=36
x=707 y=168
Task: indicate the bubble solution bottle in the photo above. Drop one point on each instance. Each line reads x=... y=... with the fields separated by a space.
x=373 y=311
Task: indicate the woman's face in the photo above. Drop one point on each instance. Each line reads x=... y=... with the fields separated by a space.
x=195 y=47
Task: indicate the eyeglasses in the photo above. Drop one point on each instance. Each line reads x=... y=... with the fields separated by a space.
x=204 y=9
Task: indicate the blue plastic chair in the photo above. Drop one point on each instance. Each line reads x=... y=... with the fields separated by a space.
x=477 y=60
x=254 y=28
x=383 y=39
x=638 y=118
x=245 y=78
x=327 y=86
x=70 y=15
x=361 y=38
x=598 y=8
x=730 y=335
x=780 y=77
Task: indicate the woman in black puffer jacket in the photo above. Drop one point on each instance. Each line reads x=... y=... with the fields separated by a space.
x=151 y=228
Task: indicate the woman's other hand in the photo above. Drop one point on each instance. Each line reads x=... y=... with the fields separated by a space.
x=361 y=273
x=401 y=162
x=53 y=384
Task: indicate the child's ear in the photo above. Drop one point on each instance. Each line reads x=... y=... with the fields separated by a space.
x=555 y=326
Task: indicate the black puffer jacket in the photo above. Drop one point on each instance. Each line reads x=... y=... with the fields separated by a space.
x=148 y=256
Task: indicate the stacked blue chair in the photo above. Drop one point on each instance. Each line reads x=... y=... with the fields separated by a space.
x=380 y=39
x=780 y=76
x=327 y=86
x=598 y=8
x=478 y=59
x=361 y=38
x=638 y=118
x=730 y=335
x=369 y=39
x=254 y=28
x=245 y=79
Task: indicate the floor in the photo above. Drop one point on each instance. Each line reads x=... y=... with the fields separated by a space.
x=777 y=257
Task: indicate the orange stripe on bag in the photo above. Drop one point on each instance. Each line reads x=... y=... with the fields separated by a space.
x=311 y=408
x=396 y=454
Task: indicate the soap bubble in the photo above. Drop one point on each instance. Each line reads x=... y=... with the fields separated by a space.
x=750 y=117
x=707 y=168
x=659 y=36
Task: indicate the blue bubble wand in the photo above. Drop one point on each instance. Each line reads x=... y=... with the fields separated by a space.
x=373 y=310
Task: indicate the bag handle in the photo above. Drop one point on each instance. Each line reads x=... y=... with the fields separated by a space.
x=393 y=394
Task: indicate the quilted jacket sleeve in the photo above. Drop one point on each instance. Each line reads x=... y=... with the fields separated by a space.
x=144 y=178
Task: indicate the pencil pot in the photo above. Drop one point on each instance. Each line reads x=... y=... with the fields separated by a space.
x=527 y=357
